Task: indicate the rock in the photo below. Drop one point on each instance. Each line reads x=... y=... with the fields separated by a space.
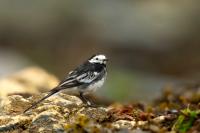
x=12 y=123
x=82 y=123
x=67 y=113
x=124 y=124
x=47 y=121
x=97 y=114
x=59 y=113
x=16 y=104
x=62 y=102
x=50 y=115
x=28 y=81
x=159 y=119
x=13 y=105
x=142 y=123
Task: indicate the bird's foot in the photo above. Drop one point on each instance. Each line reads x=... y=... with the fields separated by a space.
x=93 y=105
x=90 y=104
x=87 y=102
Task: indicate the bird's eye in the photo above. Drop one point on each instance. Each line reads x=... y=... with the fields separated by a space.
x=97 y=58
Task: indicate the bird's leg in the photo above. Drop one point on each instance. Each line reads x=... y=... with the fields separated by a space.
x=84 y=99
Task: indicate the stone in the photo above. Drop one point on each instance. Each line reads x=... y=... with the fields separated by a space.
x=124 y=124
x=32 y=80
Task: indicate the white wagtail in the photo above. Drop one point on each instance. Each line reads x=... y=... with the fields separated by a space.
x=84 y=79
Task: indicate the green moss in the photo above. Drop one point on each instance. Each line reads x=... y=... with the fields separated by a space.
x=185 y=120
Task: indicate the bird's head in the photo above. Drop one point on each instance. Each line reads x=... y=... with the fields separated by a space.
x=99 y=58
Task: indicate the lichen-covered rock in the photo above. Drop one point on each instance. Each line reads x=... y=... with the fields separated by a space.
x=59 y=113
x=10 y=123
x=66 y=113
x=97 y=114
x=57 y=102
x=82 y=123
x=47 y=121
x=13 y=105
x=48 y=116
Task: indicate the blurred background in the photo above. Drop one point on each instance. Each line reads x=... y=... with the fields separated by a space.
x=150 y=43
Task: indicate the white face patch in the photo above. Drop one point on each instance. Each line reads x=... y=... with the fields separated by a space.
x=98 y=59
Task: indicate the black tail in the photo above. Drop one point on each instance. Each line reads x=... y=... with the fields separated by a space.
x=53 y=91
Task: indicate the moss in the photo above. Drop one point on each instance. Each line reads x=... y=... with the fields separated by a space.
x=185 y=120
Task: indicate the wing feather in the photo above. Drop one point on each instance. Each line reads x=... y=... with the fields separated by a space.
x=88 y=77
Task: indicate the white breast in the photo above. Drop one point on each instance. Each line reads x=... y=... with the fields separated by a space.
x=93 y=87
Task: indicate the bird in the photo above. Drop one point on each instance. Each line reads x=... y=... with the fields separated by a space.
x=86 y=78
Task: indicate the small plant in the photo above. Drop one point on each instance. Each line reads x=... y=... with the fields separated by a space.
x=185 y=120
